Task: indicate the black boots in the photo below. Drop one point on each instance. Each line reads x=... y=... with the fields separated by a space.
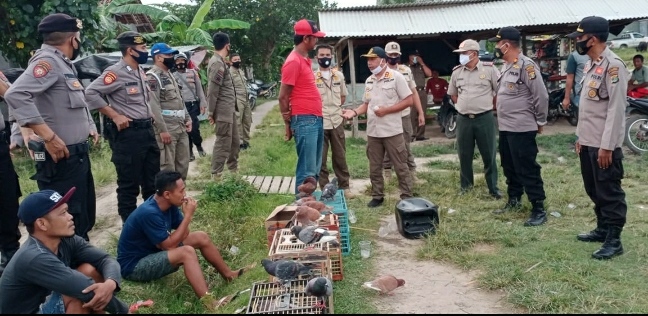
x=612 y=245
x=538 y=215
x=375 y=202
x=597 y=235
x=5 y=256
x=513 y=204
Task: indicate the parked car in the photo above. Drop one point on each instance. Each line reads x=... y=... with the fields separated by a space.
x=627 y=40
x=485 y=56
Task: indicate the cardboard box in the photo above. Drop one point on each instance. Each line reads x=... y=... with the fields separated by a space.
x=278 y=219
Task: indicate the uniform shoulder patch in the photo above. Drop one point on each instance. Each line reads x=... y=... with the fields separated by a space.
x=614 y=74
x=110 y=77
x=530 y=69
x=152 y=82
x=41 y=69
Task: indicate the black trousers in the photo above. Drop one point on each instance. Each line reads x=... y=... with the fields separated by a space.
x=518 y=152
x=194 y=136
x=61 y=176
x=9 y=194
x=136 y=156
x=603 y=186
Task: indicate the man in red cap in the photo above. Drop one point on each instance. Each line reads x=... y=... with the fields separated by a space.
x=301 y=103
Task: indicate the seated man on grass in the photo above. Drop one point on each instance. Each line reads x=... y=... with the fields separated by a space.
x=149 y=250
x=43 y=265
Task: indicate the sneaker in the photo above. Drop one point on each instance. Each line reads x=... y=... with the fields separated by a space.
x=375 y=202
x=201 y=152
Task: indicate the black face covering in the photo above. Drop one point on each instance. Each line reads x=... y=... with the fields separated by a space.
x=324 y=62
x=169 y=62
x=581 y=47
x=76 y=51
x=393 y=60
x=236 y=64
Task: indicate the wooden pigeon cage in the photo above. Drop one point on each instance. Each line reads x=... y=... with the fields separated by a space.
x=272 y=298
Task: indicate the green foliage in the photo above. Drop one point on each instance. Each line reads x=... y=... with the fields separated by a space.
x=19 y=25
x=229 y=188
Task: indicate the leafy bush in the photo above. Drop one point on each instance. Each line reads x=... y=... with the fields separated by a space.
x=230 y=188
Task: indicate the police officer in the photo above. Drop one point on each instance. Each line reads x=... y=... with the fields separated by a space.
x=473 y=85
x=9 y=187
x=332 y=88
x=600 y=131
x=393 y=60
x=194 y=100
x=129 y=125
x=386 y=96
x=244 y=113
x=522 y=102
x=166 y=99
x=49 y=99
x=420 y=71
x=222 y=108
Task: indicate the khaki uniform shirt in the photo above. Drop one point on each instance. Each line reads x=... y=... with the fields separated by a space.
x=191 y=86
x=601 y=112
x=419 y=75
x=49 y=92
x=221 y=96
x=166 y=96
x=125 y=88
x=407 y=73
x=238 y=79
x=332 y=90
x=474 y=88
x=522 y=98
x=384 y=92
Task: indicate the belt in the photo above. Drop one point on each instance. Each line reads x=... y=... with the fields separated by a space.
x=77 y=149
x=176 y=113
x=144 y=123
x=472 y=116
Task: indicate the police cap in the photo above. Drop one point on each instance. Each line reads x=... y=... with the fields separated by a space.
x=374 y=52
x=506 y=33
x=591 y=25
x=130 y=38
x=59 y=22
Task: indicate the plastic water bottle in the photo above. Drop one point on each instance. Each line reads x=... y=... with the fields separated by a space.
x=352 y=217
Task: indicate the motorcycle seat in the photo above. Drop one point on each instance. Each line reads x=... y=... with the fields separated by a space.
x=639 y=102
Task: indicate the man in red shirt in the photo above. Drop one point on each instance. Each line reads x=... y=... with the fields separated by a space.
x=301 y=103
x=437 y=87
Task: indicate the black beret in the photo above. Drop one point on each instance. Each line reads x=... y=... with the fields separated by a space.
x=59 y=22
x=131 y=38
x=220 y=39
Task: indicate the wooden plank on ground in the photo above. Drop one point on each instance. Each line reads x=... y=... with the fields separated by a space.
x=293 y=186
x=257 y=182
x=274 y=187
x=285 y=185
x=249 y=179
x=265 y=187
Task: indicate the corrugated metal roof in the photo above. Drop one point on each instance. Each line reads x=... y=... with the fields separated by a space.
x=459 y=16
x=406 y=5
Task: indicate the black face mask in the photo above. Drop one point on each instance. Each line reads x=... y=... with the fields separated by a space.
x=169 y=62
x=393 y=60
x=236 y=64
x=324 y=62
x=581 y=47
x=76 y=51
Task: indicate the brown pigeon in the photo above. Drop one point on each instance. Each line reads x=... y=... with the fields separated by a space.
x=307 y=187
x=303 y=199
x=321 y=207
x=384 y=284
x=307 y=216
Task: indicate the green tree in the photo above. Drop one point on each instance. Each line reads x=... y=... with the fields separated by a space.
x=19 y=25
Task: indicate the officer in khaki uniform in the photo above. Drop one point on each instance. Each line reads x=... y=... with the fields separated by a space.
x=222 y=108
x=600 y=131
x=332 y=88
x=393 y=60
x=522 y=104
x=386 y=96
x=420 y=71
x=172 y=120
x=244 y=113
x=194 y=100
x=129 y=122
x=472 y=88
x=49 y=100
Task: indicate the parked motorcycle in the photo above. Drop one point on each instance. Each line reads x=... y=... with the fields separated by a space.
x=447 y=117
x=252 y=95
x=556 y=110
x=636 y=133
x=266 y=90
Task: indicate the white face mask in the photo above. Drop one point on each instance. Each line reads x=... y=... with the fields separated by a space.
x=378 y=69
x=464 y=59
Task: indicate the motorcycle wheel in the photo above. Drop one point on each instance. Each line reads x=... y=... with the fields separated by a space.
x=573 y=118
x=451 y=126
x=271 y=93
x=636 y=136
x=252 y=104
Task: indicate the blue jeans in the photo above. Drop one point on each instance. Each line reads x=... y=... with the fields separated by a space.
x=308 y=131
x=53 y=304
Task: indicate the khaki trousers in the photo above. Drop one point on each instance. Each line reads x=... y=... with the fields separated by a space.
x=336 y=139
x=397 y=152
x=407 y=137
x=244 y=120
x=175 y=156
x=226 y=147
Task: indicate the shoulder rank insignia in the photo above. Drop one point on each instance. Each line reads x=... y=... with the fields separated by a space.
x=456 y=67
x=110 y=78
x=41 y=69
x=530 y=71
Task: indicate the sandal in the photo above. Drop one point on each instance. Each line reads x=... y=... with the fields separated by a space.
x=243 y=270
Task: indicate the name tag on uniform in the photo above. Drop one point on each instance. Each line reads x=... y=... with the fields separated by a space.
x=336 y=83
x=134 y=83
x=70 y=76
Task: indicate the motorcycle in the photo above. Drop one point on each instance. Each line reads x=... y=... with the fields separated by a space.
x=447 y=117
x=266 y=90
x=252 y=95
x=636 y=133
x=556 y=97
x=638 y=93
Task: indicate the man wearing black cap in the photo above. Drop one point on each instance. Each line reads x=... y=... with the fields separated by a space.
x=49 y=99
x=386 y=95
x=42 y=265
x=129 y=125
x=194 y=100
x=600 y=131
x=222 y=108
x=522 y=104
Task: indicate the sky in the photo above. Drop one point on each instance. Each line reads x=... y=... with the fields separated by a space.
x=341 y=3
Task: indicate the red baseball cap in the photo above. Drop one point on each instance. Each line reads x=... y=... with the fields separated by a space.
x=308 y=27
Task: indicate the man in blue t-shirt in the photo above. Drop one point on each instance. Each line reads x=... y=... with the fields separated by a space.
x=575 y=64
x=155 y=241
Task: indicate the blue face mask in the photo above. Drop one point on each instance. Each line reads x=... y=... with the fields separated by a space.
x=143 y=57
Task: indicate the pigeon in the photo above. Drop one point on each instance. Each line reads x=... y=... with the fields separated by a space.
x=313 y=234
x=285 y=270
x=328 y=193
x=320 y=287
x=303 y=200
x=307 y=187
x=307 y=215
x=323 y=208
x=384 y=284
